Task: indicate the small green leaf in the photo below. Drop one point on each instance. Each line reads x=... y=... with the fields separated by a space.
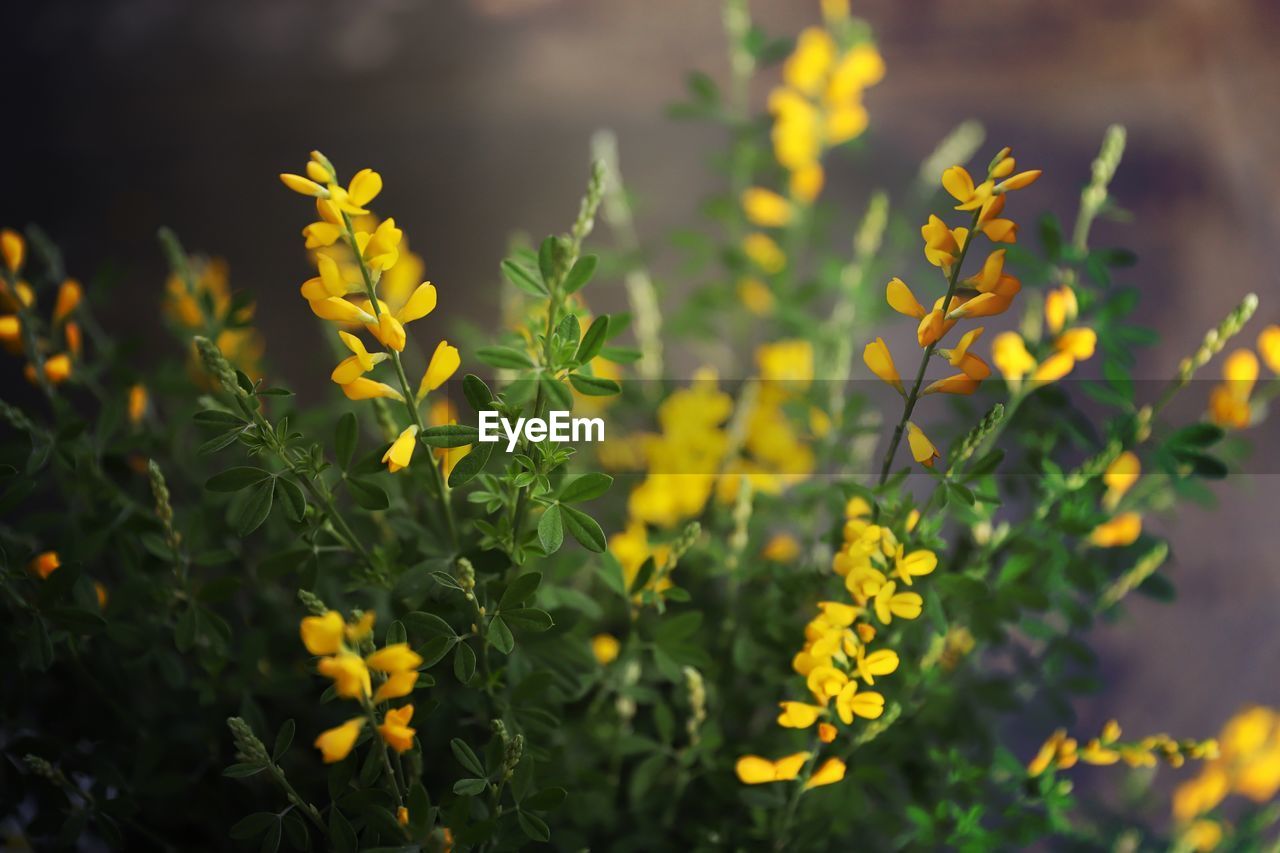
x=367 y=495
x=476 y=392
x=506 y=357
x=469 y=787
x=468 y=467
x=235 y=479
x=253 y=825
x=344 y=439
x=499 y=636
x=584 y=528
x=466 y=756
x=520 y=590
x=284 y=738
x=529 y=617
x=464 y=663
x=428 y=624
x=533 y=826
x=586 y=487
x=551 y=529
x=548 y=252
x=593 y=341
x=295 y=503
x=594 y=386
x=522 y=278
x=254 y=511
x=643 y=576
x=449 y=435
x=583 y=269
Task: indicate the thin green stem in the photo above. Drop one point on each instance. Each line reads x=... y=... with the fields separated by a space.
x=783 y=833
x=914 y=394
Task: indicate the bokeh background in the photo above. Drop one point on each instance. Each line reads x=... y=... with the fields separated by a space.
x=122 y=115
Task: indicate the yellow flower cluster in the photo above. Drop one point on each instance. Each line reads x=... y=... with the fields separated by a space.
x=1124 y=528
x=348 y=657
x=1070 y=344
x=1248 y=764
x=366 y=293
x=203 y=306
x=990 y=292
x=56 y=354
x=837 y=660
x=1229 y=403
x=818 y=106
x=1063 y=752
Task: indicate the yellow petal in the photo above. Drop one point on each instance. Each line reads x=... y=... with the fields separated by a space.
x=831 y=771
x=444 y=363
x=336 y=744
x=902 y=300
x=419 y=304
x=880 y=361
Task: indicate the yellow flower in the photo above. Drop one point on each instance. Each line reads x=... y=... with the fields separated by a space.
x=807 y=68
x=368 y=389
x=322 y=635
x=782 y=548
x=830 y=772
x=889 y=603
x=354 y=366
x=902 y=300
x=364 y=187
x=1203 y=835
x=878 y=358
x=880 y=662
x=395 y=728
x=45 y=564
x=303 y=186
x=763 y=251
x=137 y=404
x=605 y=648
x=1269 y=347
x=362 y=627
x=915 y=564
x=971 y=365
x=1058 y=750
x=349 y=673
x=805 y=183
x=397 y=684
x=13 y=248
x=1053 y=368
x=1229 y=401
x=755 y=296
x=1079 y=343
x=400 y=453
x=444 y=363
x=1200 y=794
x=826 y=682
x=852 y=702
x=339 y=309
x=922 y=449
x=402 y=816
x=786 y=361
x=826 y=732
x=958 y=384
x=336 y=744
x=766 y=208
x=754 y=770
x=397 y=657
x=1120 y=476
x=381 y=249
x=69 y=296
x=798 y=715
x=1094 y=752
x=941 y=244
x=1120 y=531
x=419 y=304
x=1060 y=308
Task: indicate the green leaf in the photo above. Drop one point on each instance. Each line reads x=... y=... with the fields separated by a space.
x=611 y=573
x=593 y=341
x=450 y=435
x=235 y=479
x=428 y=624
x=447 y=580
x=242 y=771
x=586 y=487
x=507 y=357
x=464 y=663
x=556 y=391
x=594 y=386
x=468 y=467
x=580 y=274
x=522 y=278
x=1197 y=435
x=643 y=576
x=367 y=495
x=499 y=636
x=295 y=503
x=344 y=439
x=551 y=529
x=253 y=825
x=476 y=392
x=217 y=418
x=284 y=738
x=584 y=528
x=520 y=590
x=469 y=787
x=529 y=617
x=548 y=251
x=466 y=757
x=533 y=826
x=250 y=514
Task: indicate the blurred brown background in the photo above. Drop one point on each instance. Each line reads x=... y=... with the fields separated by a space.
x=121 y=116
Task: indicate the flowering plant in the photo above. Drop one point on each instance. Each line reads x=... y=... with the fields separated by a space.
x=744 y=620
